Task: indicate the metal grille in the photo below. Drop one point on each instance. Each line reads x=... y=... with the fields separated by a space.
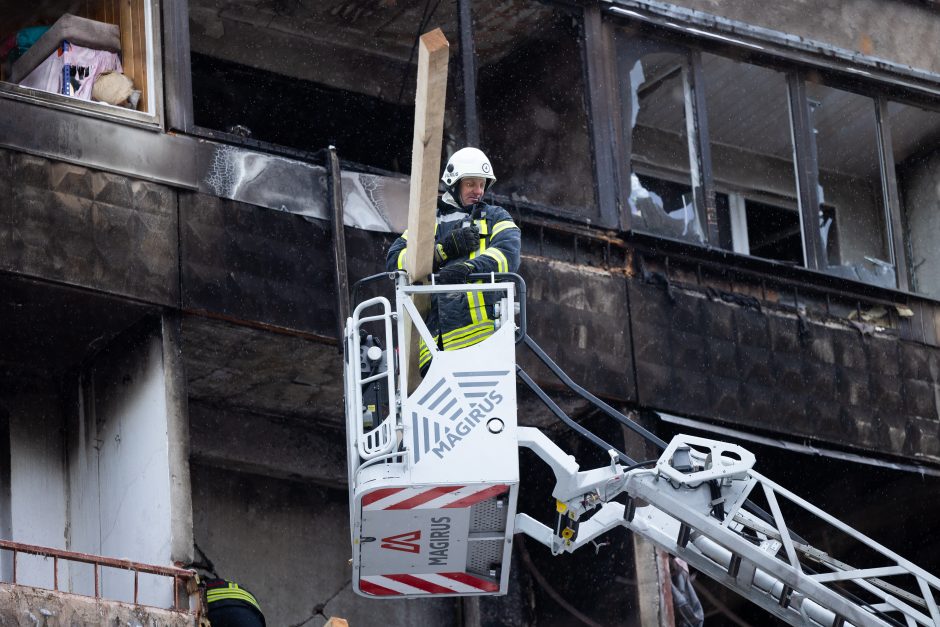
x=484 y=555
x=488 y=515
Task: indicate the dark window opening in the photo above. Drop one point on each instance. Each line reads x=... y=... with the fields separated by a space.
x=308 y=75
x=654 y=87
x=850 y=181
x=664 y=206
x=752 y=151
x=915 y=136
x=533 y=113
x=774 y=232
x=301 y=114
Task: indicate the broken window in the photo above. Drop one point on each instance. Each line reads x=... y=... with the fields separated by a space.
x=94 y=50
x=914 y=136
x=308 y=75
x=850 y=183
x=752 y=159
x=654 y=111
x=533 y=114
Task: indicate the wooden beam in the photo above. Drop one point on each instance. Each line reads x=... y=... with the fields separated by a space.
x=426 y=153
x=430 y=97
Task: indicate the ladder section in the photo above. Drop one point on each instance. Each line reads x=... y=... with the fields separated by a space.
x=698 y=503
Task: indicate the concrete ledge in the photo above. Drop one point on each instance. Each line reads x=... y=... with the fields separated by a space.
x=36 y=607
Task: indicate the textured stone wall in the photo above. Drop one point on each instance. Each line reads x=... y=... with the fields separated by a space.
x=88 y=228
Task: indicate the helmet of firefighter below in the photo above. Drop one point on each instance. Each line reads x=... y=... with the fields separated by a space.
x=467 y=162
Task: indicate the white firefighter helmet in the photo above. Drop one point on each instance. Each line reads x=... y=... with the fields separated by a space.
x=468 y=162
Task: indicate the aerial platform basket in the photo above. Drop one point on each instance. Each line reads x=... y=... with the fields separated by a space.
x=434 y=474
x=434 y=480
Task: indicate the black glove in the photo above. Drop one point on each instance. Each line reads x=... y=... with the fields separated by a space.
x=454 y=273
x=460 y=242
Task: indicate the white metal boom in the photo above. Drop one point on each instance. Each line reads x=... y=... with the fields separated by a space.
x=434 y=487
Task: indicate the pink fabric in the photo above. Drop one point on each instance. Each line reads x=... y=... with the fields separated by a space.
x=72 y=70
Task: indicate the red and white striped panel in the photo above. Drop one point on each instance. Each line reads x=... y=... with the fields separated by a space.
x=426 y=583
x=441 y=497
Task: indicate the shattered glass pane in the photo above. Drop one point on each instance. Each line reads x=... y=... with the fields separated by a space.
x=914 y=135
x=661 y=199
x=533 y=109
x=312 y=74
x=850 y=185
x=752 y=159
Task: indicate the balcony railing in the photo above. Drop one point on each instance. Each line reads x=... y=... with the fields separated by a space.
x=182 y=578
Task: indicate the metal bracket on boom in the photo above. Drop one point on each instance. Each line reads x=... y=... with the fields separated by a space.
x=673 y=505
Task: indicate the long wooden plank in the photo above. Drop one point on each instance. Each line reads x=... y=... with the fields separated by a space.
x=430 y=97
x=426 y=153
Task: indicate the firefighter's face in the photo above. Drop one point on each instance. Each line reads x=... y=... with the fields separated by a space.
x=471 y=189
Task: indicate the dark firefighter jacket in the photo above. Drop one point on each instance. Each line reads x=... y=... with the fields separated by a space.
x=462 y=319
x=230 y=605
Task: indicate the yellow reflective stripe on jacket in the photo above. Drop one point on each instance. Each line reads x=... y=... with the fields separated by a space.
x=424 y=355
x=502 y=264
x=475 y=300
x=459 y=338
x=477 y=307
x=484 y=233
x=471 y=339
x=456 y=334
x=231 y=593
x=401 y=258
x=502 y=226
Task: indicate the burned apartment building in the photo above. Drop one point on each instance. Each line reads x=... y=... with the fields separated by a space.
x=730 y=227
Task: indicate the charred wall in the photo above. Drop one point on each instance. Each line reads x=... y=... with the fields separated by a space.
x=88 y=228
x=782 y=373
x=892 y=30
x=623 y=336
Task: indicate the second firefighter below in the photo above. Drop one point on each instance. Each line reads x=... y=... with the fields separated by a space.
x=471 y=236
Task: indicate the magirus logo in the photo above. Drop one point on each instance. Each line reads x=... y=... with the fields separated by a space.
x=442 y=422
x=438 y=541
x=405 y=542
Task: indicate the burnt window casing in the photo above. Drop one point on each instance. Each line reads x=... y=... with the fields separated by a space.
x=533 y=116
x=751 y=149
x=107 y=36
x=655 y=112
x=850 y=182
x=745 y=152
x=309 y=75
x=915 y=148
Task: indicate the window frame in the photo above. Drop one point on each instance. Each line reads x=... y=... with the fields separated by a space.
x=796 y=65
x=153 y=40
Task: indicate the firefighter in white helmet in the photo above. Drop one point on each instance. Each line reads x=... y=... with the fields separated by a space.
x=471 y=237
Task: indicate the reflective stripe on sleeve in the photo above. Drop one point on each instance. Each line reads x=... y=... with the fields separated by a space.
x=502 y=264
x=502 y=226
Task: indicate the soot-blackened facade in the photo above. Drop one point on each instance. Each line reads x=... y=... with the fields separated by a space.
x=729 y=217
